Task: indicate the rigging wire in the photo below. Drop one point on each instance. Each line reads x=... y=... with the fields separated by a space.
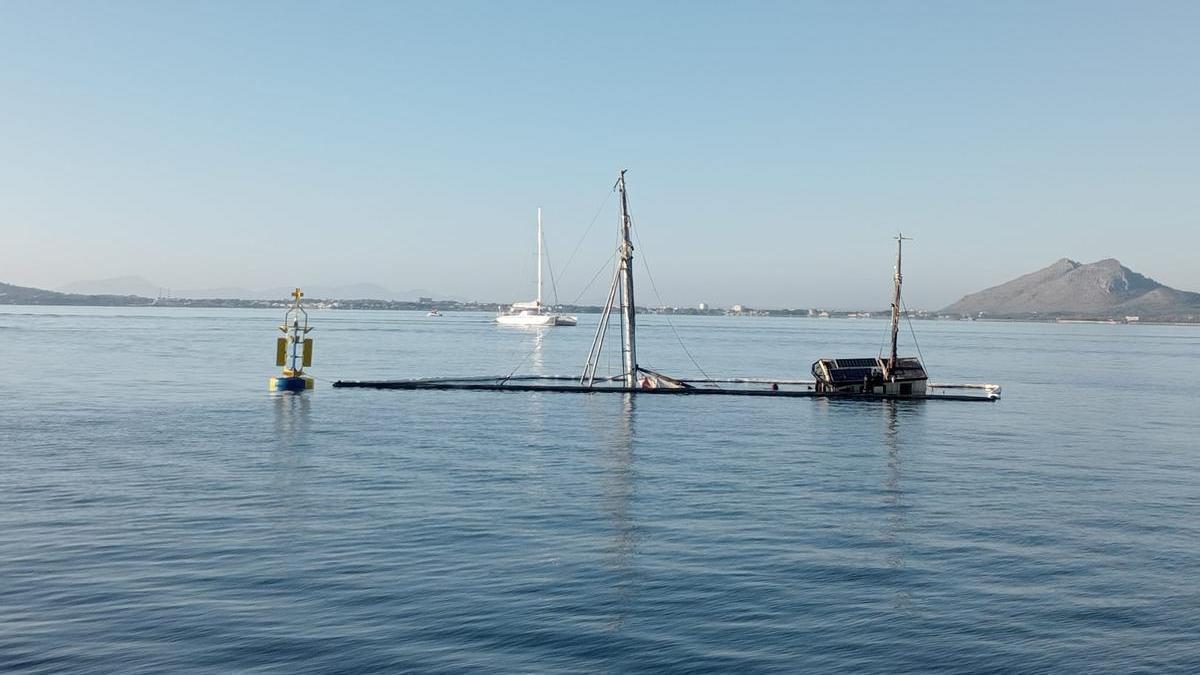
x=550 y=266
x=554 y=283
x=594 y=277
x=573 y=303
x=913 y=332
x=512 y=372
x=571 y=257
x=654 y=287
x=887 y=332
x=883 y=341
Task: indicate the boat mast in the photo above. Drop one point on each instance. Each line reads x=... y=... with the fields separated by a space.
x=589 y=370
x=622 y=283
x=628 y=331
x=539 y=238
x=899 y=280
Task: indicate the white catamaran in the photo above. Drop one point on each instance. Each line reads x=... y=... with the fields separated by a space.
x=534 y=313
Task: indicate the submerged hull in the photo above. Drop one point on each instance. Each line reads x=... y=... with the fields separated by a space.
x=733 y=387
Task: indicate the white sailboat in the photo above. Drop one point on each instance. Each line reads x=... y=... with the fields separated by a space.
x=534 y=313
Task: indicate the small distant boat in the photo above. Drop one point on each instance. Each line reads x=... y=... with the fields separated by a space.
x=891 y=376
x=434 y=312
x=534 y=313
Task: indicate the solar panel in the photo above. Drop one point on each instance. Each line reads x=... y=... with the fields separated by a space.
x=850 y=374
x=855 y=363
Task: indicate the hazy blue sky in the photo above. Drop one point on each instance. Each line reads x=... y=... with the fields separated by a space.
x=774 y=148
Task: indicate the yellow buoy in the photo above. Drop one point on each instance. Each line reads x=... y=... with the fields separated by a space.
x=295 y=340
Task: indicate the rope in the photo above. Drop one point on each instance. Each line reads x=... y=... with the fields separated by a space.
x=512 y=372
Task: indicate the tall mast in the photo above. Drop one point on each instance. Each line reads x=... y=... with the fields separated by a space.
x=539 y=238
x=899 y=279
x=628 y=331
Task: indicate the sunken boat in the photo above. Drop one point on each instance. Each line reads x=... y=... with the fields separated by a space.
x=886 y=376
x=874 y=379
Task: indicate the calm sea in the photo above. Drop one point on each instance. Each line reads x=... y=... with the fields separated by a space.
x=161 y=512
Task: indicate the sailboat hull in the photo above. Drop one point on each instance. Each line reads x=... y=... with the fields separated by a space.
x=535 y=320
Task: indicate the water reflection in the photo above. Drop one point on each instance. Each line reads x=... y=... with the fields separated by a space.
x=291 y=501
x=537 y=366
x=537 y=357
x=617 y=495
x=293 y=422
x=895 y=519
x=292 y=417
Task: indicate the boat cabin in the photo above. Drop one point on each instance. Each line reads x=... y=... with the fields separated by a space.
x=870 y=376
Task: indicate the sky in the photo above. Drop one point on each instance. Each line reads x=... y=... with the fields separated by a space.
x=774 y=148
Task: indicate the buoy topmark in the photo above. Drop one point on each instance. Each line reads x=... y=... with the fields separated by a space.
x=295 y=340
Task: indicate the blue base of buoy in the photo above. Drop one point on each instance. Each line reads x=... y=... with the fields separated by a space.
x=289 y=383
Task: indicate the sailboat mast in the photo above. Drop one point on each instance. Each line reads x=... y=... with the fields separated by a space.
x=628 y=329
x=539 y=244
x=899 y=280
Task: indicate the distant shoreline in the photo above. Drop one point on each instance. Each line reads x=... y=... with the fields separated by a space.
x=456 y=306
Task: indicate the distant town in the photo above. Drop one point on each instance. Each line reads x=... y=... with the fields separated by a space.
x=19 y=295
x=1065 y=291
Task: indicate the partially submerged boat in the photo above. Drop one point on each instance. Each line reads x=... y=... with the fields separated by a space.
x=892 y=376
x=877 y=378
x=534 y=313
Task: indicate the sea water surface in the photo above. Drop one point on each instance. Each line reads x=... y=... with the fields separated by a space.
x=161 y=512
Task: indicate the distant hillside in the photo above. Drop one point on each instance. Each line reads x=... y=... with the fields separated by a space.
x=1071 y=289
x=363 y=296
x=22 y=295
x=113 y=286
x=133 y=285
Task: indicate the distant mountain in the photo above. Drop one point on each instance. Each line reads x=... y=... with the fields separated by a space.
x=345 y=295
x=223 y=292
x=23 y=295
x=348 y=292
x=1068 y=288
x=133 y=285
x=360 y=291
x=114 y=286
